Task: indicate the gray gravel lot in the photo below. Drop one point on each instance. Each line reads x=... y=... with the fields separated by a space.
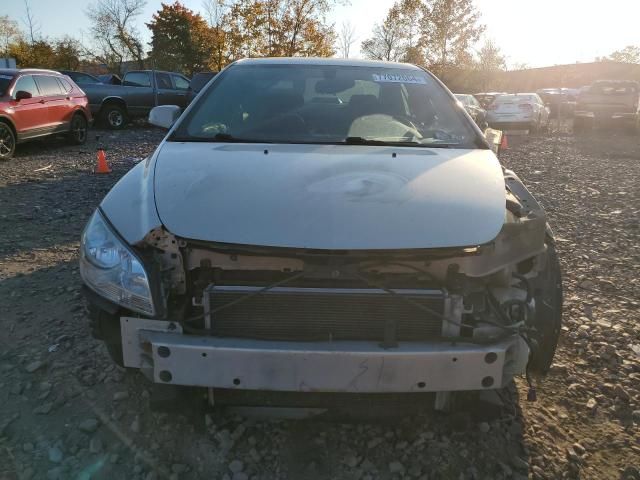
x=66 y=412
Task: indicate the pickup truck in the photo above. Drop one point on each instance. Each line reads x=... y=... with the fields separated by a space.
x=608 y=102
x=141 y=90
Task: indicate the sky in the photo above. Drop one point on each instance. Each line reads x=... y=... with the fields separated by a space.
x=532 y=32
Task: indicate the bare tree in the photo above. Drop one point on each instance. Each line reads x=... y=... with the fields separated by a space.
x=346 y=38
x=112 y=24
x=33 y=27
x=385 y=42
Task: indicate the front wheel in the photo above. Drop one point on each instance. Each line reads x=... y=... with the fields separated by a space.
x=114 y=117
x=547 y=292
x=7 y=141
x=78 y=130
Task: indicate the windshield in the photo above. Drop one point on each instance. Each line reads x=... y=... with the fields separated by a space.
x=5 y=81
x=327 y=104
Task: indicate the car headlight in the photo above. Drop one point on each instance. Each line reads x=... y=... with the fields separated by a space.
x=111 y=269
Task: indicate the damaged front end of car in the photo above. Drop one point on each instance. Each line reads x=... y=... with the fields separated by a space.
x=272 y=319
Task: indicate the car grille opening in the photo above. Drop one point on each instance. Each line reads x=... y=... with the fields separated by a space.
x=322 y=314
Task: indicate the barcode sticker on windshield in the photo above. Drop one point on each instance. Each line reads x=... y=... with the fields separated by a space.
x=399 y=78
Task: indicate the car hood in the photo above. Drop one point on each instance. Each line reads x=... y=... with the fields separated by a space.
x=329 y=196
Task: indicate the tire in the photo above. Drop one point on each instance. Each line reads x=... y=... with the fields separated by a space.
x=7 y=141
x=115 y=352
x=548 y=320
x=78 y=130
x=114 y=116
x=105 y=326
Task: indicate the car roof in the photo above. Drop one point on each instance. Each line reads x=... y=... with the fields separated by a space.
x=346 y=62
x=15 y=71
x=150 y=71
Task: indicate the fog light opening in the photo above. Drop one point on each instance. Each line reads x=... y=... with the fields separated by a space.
x=487 y=382
x=490 y=357
x=164 y=352
x=422 y=384
x=165 y=376
x=236 y=381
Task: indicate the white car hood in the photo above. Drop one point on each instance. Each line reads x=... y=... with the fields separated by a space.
x=329 y=197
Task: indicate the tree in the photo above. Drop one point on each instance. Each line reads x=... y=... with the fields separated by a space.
x=490 y=63
x=449 y=29
x=629 y=54
x=38 y=54
x=33 y=27
x=279 y=28
x=386 y=42
x=298 y=28
x=9 y=33
x=346 y=38
x=181 y=39
x=216 y=13
x=112 y=25
x=68 y=53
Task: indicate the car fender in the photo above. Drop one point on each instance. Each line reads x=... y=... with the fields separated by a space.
x=130 y=204
x=113 y=98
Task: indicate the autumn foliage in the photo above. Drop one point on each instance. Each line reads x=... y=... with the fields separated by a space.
x=184 y=41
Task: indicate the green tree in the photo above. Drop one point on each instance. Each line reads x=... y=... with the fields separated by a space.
x=68 y=53
x=39 y=54
x=629 y=54
x=180 y=39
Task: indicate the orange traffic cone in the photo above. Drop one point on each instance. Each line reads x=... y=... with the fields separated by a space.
x=101 y=163
x=504 y=144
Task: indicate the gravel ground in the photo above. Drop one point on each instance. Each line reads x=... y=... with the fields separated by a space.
x=66 y=412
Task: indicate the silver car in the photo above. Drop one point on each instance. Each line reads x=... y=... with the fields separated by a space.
x=519 y=110
x=323 y=226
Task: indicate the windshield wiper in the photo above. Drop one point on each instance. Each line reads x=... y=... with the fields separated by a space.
x=370 y=141
x=218 y=137
x=406 y=143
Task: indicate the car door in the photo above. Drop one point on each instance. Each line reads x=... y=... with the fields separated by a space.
x=139 y=92
x=181 y=87
x=31 y=117
x=57 y=101
x=166 y=93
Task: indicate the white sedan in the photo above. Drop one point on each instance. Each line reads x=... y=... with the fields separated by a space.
x=519 y=110
x=318 y=225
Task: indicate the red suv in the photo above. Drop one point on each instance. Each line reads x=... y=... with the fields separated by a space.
x=36 y=103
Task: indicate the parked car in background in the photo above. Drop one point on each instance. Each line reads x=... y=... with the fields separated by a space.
x=36 y=103
x=141 y=90
x=487 y=99
x=81 y=78
x=561 y=101
x=197 y=83
x=473 y=108
x=518 y=110
x=283 y=248
x=608 y=101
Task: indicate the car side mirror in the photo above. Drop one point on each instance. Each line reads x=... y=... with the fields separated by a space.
x=164 y=116
x=23 y=95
